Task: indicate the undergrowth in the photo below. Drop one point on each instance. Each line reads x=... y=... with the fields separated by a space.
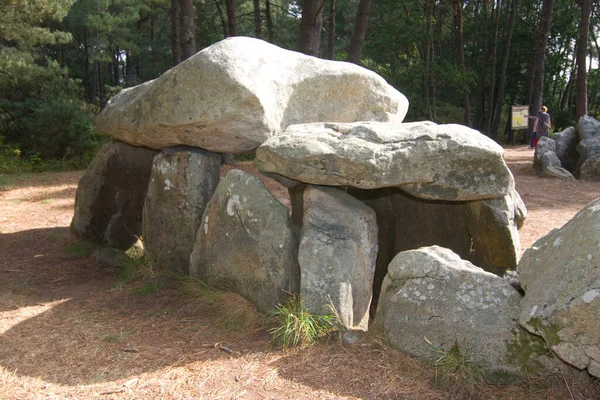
x=457 y=367
x=296 y=326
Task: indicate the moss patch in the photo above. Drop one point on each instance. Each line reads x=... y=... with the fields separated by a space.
x=524 y=350
x=548 y=332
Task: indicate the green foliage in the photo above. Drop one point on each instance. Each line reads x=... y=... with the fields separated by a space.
x=296 y=326
x=80 y=248
x=457 y=365
x=49 y=129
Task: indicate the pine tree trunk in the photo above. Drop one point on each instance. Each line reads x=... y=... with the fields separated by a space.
x=461 y=60
x=231 y=22
x=584 y=27
x=360 y=31
x=188 y=29
x=502 y=83
x=310 y=27
x=270 y=32
x=492 y=82
x=331 y=36
x=175 y=32
x=257 y=20
x=222 y=19
x=539 y=58
x=480 y=107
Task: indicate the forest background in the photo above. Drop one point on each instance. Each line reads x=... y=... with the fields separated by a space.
x=457 y=61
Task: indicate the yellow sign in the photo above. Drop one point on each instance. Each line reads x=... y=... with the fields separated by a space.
x=519 y=116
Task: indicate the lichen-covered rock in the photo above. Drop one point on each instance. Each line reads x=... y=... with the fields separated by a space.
x=246 y=243
x=547 y=163
x=590 y=169
x=233 y=95
x=431 y=293
x=566 y=148
x=493 y=225
x=436 y=162
x=587 y=127
x=560 y=274
x=181 y=183
x=338 y=248
x=110 y=196
x=588 y=148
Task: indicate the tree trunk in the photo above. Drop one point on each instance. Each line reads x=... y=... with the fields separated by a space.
x=584 y=27
x=427 y=74
x=538 y=62
x=502 y=83
x=231 y=23
x=222 y=18
x=480 y=107
x=87 y=76
x=188 y=29
x=310 y=27
x=257 y=20
x=458 y=4
x=360 y=31
x=175 y=32
x=270 y=32
x=492 y=82
x=331 y=36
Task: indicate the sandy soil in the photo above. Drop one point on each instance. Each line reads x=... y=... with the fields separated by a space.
x=70 y=329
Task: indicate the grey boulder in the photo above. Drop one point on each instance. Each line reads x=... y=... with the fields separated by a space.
x=233 y=95
x=587 y=127
x=560 y=274
x=246 y=243
x=337 y=253
x=431 y=294
x=181 y=183
x=547 y=163
x=110 y=196
x=437 y=162
x=590 y=169
x=566 y=148
x=494 y=227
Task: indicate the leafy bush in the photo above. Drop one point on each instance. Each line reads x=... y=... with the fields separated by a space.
x=58 y=128
x=295 y=326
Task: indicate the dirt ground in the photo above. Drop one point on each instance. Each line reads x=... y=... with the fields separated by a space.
x=70 y=329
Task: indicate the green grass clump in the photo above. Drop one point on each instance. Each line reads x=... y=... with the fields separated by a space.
x=148 y=288
x=80 y=248
x=295 y=326
x=456 y=365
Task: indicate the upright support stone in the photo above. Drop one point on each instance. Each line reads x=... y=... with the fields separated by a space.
x=338 y=249
x=110 y=196
x=247 y=243
x=182 y=182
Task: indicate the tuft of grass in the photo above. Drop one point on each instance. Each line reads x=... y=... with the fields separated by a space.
x=81 y=248
x=133 y=269
x=457 y=366
x=296 y=326
x=148 y=288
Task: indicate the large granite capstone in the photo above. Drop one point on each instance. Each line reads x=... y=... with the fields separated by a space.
x=233 y=95
x=436 y=162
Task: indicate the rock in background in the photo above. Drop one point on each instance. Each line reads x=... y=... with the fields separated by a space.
x=546 y=162
x=338 y=248
x=246 y=243
x=560 y=274
x=590 y=169
x=233 y=95
x=566 y=148
x=110 y=196
x=431 y=293
x=182 y=182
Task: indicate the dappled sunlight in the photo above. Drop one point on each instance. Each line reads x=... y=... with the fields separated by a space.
x=10 y=318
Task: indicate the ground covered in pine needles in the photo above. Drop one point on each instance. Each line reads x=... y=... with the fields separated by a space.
x=75 y=327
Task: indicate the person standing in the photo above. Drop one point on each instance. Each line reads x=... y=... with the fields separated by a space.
x=541 y=126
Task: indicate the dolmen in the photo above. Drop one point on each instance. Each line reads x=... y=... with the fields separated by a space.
x=571 y=153
x=406 y=227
